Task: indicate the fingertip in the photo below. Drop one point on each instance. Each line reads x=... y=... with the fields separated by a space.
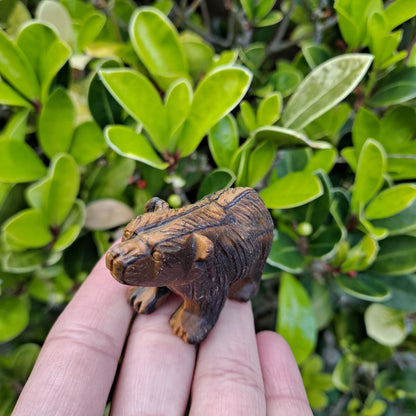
x=284 y=389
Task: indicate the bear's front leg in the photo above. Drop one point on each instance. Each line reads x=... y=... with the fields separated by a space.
x=195 y=317
x=146 y=300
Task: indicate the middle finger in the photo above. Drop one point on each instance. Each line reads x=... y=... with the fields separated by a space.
x=156 y=372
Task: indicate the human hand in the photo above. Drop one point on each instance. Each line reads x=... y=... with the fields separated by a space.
x=233 y=372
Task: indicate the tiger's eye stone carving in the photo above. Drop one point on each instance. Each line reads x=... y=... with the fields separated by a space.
x=205 y=252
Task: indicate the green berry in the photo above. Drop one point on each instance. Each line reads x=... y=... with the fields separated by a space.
x=305 y=229
x=174 y=201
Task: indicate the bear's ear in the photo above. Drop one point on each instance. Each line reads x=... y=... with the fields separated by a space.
x=204 y=247
x=156 y=204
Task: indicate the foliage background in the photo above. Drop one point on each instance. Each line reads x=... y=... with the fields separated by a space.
x=312 y=102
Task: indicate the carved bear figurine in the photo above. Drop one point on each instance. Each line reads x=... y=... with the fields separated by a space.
x=205 y=252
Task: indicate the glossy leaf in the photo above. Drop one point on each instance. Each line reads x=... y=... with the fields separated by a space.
x=324 y=242
x=391 y=201
x=45 y=52
x=285 y=254
x=16 y=126
x=268 y=111
x=322 y=160
x=397 y=256
x=398 y=87
x=402 y=290
x=283 y=137
x=157 y=43
x=260 y=161
x=366 y=126
x=364 y=287
x=216 y=95
x=400 y=223
x=28 y=228
x=141 y=100
x=88 y=143
x=361 y=256
x=24 y=261
x=126 y=142
x=15 y=68
x=223 y=141
x=54 y=13
x=104 y=214
x=199 y=54
x=177 y=103
x=324 y=87
x=248 y=116
x=55 y=195
x=216 y=180
x=292 y=190
x=103 y=106
x=369 y=176
x=343 y=374
x=9 y=96
x=399 y=11
x=385 y=325
x=56 y=123
x=14 y=317
x=19 y=162
x=295 y=319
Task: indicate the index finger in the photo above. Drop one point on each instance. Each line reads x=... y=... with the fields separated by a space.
x=76 y=366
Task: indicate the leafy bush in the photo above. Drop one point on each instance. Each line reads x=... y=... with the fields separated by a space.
x=311 y=103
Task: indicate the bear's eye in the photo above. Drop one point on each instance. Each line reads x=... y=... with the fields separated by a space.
x=157 y=255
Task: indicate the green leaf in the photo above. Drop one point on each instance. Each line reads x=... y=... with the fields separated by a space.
x=248 y=7
x=366 y=126
x=322 y=160
x=90 y=29
x=88 y=143
x=262 y=8
x=56 y=123
x=16 y=126
x=15 y=68
x=364 y=287
x=216 y=95
x=391 y=201
x=400 y=223
x=55 y=14
x=316 y=212
x=283 y=137
x=285 y=254
x=199 y=54
x=113 y=179
x=268 y=111
x=398 y=12
x=397 y=87
x=343 y=375
x=292 y=190
x=248 y=116
x=216 y=180
x=24 y=261
x=260 y=161
x=103 y=106
x=295 y=319
x=126 y=142
x=157 y=43
x=272 y=18
x=55 y=195
x=369 y=176
x=28 y=228
x=19 y=163
x=141 y=100
x=361 y=256
x=397 y=256
x=24 y=359
x=223 y=141
x=397 y=384
x=385 y=325
x=315 y=55
x=8 y=96
x=71 y=227
x=286 y=80
x=324 y=241
x=324 y=87
x=403 y=292
x=45 y=52
x=14 y=317
x=177 y=103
